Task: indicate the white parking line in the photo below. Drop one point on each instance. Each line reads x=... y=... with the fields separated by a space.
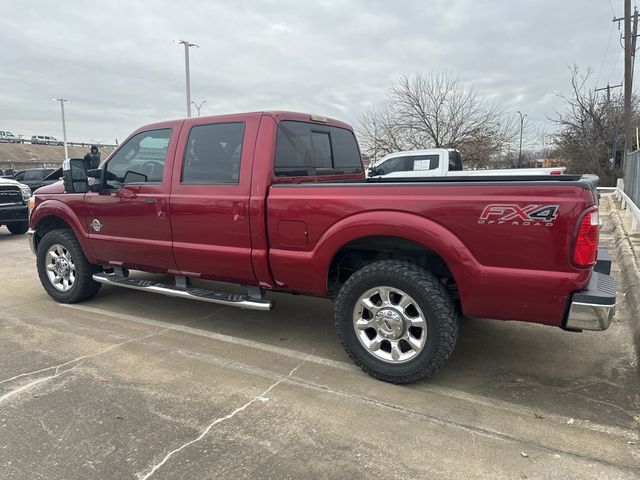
x=479 y=400
x=220 y=337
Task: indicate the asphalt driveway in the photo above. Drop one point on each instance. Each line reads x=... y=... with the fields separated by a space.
x=135 y=385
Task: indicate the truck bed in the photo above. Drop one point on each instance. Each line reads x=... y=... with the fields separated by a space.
x=513 y=261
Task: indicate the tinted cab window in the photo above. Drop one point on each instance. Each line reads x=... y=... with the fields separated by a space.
x=33 y=175
x=455 y=161
x=309 y=149
x=396 y=164
x=213 y=154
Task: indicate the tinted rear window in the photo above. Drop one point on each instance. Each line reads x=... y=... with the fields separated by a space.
x=213 y=154
x=309 y=149
x=455 y=161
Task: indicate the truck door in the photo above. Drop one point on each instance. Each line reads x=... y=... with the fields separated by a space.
x=209 y=205
x=128 y=221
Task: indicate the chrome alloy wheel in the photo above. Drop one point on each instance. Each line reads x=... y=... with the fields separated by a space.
x=389 y=324
x=60 y=268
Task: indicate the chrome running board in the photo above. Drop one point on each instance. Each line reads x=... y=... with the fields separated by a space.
x=221 y=298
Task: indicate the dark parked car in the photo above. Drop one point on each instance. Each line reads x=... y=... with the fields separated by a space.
x=53 y=177
x=33 y=177
x=13 y=206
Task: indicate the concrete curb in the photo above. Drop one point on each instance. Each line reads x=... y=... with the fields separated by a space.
x=629 y=263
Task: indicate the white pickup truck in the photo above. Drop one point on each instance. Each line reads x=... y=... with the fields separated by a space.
x=441 y=162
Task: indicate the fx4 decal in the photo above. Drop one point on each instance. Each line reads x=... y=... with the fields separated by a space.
x=509 y=213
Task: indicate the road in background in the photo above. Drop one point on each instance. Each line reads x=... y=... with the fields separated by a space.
x=21 y=156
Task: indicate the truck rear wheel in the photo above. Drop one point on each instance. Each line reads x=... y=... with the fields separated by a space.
x=18 y=228
x=396 y=321
x=64 y=271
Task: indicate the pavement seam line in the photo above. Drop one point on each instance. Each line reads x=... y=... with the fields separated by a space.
x=162 y=330
x=217 y=421
x=77 y=361
x=473 y=430
x=440 y=420
x=440 y=390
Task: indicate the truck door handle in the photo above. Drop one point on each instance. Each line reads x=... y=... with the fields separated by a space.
x=149 y=200
x=238 y=211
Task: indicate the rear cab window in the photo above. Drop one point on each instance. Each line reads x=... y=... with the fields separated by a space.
x=310 y=149
x=213 y=154
x=455 y=161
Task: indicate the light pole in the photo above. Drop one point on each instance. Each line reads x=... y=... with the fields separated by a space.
x=375 y=141
x=186 y=69
x=521 y=127
x=64 y=125
x=198 y=107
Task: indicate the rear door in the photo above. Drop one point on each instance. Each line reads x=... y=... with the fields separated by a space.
x=209 y=205
x=128 y=221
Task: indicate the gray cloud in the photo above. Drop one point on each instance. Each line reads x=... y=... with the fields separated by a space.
x=117 y=64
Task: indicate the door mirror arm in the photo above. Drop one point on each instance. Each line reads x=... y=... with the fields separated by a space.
x=96 y=175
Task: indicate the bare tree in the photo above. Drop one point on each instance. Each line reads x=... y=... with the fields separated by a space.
x=436 y=110
x=591 y=129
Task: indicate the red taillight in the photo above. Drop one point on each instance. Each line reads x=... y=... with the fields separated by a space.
x=556 y=172
x=586 y=249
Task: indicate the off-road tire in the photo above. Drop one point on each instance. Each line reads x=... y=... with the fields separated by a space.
x=84 y=287
x=18 y=228
x=440 y=314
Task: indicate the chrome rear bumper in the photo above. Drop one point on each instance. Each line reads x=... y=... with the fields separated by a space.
x=593 y=308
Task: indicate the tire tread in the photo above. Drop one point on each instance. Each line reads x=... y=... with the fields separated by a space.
x=85 y=286
x=440 y=306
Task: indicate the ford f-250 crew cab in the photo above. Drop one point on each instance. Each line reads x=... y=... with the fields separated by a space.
x=279 y=201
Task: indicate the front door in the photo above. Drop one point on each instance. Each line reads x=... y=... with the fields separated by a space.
x=128 y=221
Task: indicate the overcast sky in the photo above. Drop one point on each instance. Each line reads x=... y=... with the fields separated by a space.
x=117 y=63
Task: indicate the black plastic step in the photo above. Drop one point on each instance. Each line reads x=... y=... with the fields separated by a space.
x=601 y=290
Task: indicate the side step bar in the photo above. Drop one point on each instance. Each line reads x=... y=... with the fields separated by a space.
x=221 y=298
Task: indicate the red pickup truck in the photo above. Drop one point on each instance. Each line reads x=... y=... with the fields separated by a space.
x=279 y=201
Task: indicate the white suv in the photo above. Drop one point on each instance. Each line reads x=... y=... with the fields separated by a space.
x=9 y=137
x=44 y=140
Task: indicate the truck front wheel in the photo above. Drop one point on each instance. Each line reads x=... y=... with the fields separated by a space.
x=396 y=321
x=64 y=271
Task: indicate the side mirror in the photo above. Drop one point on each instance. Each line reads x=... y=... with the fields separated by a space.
x=74 y=176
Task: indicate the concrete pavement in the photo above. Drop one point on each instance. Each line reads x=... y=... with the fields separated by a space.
x=133 y=385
